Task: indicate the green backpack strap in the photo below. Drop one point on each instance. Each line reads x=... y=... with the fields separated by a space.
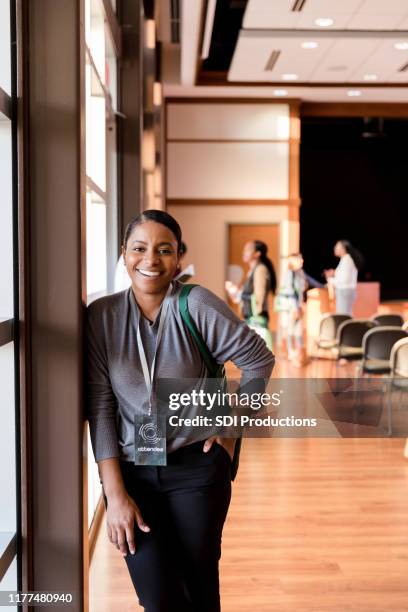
x=212 y=366
x=215 y=369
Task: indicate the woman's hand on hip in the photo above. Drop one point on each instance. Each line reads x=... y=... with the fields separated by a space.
x=122 y=513
x=227 y=443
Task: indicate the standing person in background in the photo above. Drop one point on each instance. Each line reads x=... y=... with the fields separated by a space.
x=260 y=280
x=291 y=298
x=344 y=277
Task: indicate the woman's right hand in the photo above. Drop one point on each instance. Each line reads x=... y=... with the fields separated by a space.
x=121 y=514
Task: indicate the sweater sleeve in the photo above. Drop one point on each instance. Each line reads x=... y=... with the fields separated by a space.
x=227 y=337
x=101 y=403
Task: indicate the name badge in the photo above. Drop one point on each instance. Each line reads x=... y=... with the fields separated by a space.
x=150 y=439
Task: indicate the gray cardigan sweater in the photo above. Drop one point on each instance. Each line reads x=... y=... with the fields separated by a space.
x=116 y=389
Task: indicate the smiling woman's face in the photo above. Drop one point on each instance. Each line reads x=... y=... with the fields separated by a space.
x=151 y=257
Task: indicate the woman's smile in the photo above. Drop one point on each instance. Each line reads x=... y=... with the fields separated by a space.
x=149 y=273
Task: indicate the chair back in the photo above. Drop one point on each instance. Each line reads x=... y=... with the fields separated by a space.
x=399 y=358
x=329 y=325
x=351 y=333
x=394 y=320
x=378 y=342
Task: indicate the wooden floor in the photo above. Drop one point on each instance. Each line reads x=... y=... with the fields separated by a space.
x=315 y=525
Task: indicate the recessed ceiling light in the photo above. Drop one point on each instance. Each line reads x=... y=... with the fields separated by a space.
x=280 y=93
x=401 y=46
x=309 y=44
x=354 y=93
x=324 y=22
x=290 y=76
x=371 y=77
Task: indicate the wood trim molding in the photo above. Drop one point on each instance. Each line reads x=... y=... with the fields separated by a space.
x=95 y=526
x=293 y=214
x=353 y=109
x=229 y=140
x=5 y=103
x=227 y=100
x=294 y=152
x=203 y=202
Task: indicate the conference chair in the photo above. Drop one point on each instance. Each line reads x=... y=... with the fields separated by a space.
x=329 y=325
x=399 y=375
x=391 y=320
x=350 y=337
x=377 y=346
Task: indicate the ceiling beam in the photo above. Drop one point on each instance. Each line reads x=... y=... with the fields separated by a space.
x=322 y=34
x=353 y=109
x=192 y=17
x=220 y=78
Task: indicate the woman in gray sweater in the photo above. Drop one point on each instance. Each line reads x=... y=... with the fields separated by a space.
x=166 y=517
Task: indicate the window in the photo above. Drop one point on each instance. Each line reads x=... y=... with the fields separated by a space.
x=101 y=172
x=9 y=480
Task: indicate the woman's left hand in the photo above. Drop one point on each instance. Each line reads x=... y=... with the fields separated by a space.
x=227 y=443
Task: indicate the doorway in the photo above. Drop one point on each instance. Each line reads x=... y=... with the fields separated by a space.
x=238 y=235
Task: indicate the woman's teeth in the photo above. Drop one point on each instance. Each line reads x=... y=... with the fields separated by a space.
x=148 y=272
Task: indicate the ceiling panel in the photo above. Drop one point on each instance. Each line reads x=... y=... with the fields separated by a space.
x=307 y=20
x=252 y=54
x=385 y=62
x=340 y=62
x=339 y=58
x=328 y=6
x=374 y=22
x=384 y=7
x=347 y=14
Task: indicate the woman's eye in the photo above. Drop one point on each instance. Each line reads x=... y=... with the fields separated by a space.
x=138 y=249
x=164 y=251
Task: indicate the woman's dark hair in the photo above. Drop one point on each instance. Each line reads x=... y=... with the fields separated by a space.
x=183 y=249
x=158 y=216
x=260 y=247
x=354 y=253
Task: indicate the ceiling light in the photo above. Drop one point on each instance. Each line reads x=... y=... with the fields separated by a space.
x=324 y=22
x=309 y=44
x=354 y=93
x=370 y=77
x=280 y=93
x=290 y=76
x=401 y=46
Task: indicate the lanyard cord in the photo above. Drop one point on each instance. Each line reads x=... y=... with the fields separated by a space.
x=149 y=375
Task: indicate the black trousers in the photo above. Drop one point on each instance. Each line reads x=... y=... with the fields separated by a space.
x=175 y=567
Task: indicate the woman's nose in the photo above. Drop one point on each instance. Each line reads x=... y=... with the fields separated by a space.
x=150 y=257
